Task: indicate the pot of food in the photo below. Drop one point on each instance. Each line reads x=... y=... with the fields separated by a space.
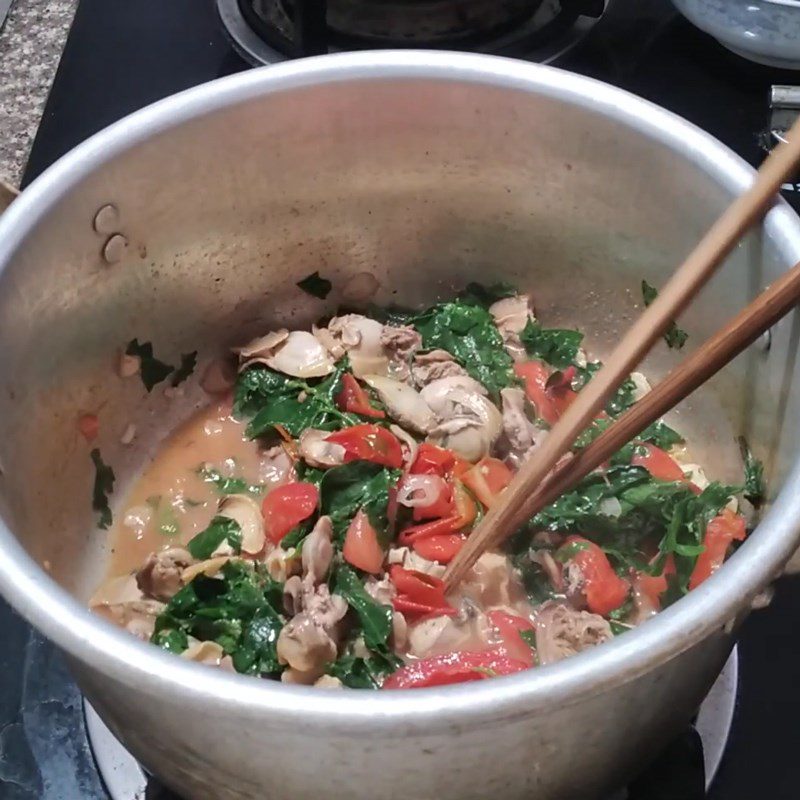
x=400 y=178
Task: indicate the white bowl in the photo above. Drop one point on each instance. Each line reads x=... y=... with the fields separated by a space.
x=765 y=31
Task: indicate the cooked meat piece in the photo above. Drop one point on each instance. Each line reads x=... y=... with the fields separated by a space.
x=293 y=595
x=305 y=645
x=432 y=366
x=403 y=402
x=301 y=596
x=519 y=431
x=204 y=653
x=324 y=608
x=400 y=342
x=561 y=631
x=511 y=314
x=160 y=575
x=574 y=581
x=382 y=591
x=317 y=551
x=295 y=353
x=328 y=682
x=137 y=617
x=282 y=564
x=317 y=452
x=467 y=422
x=360 y=337
x=439 y=635
x=493 y=583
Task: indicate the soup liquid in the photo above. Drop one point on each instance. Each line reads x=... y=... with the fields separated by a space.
x=174 y=500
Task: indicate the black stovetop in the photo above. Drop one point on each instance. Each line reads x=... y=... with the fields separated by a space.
x=122 y=55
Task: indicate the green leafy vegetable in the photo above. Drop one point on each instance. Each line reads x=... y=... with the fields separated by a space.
x=174 y=641
x=219 y=530
x=186 y=368
x=375 y=619
x=556 y=346
x=674 y=336
x=658 y=433
x=623 y=397
x=661 y=435
x=364 y=673
x=359 y=484
x=270 y=398
x=151 y=370
x=755 y=489
x=103 y=487
x=529 y=637
x=618 y=628
x=669 y=512
x=315 y=285
x=469 y=334
x=240 y=610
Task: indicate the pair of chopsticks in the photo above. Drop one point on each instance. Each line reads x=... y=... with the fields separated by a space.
x=553 y=469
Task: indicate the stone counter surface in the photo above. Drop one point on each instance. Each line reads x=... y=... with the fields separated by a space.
x=31 y=43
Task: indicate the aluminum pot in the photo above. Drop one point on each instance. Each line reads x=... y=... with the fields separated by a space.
x=427 y=170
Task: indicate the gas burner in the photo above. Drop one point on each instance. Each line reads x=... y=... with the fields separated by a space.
x=126 y=780
x=267 y=31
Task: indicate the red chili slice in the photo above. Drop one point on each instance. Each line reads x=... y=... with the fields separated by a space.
x=354 y=399
x=369 y=443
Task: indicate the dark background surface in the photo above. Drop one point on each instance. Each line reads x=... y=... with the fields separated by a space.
x=123 y=55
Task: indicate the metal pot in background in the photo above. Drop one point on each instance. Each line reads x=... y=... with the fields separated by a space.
x=428 y=170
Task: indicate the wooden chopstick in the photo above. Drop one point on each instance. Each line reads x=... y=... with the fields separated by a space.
x=506 y=515
x=730 y=340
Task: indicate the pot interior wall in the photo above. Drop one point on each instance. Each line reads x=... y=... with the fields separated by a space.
x=425 y=185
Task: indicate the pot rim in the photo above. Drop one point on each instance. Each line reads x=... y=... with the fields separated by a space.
x=108 y=650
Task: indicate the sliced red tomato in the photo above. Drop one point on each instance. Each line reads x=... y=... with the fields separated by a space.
x=550 y=401
x=285 y=507
x=508 y=628
x=720 y=533
x=361 y=546
x=603 y=588
x=369 y=442
x=89 y=426
x=432 y=460
x=442 y=548
x=651 y=587
x=487 y=479
x=354 y=399
x=438 y=527
x=443 y=506
x=418 y=593
x=658 y=463
x=458 y=667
